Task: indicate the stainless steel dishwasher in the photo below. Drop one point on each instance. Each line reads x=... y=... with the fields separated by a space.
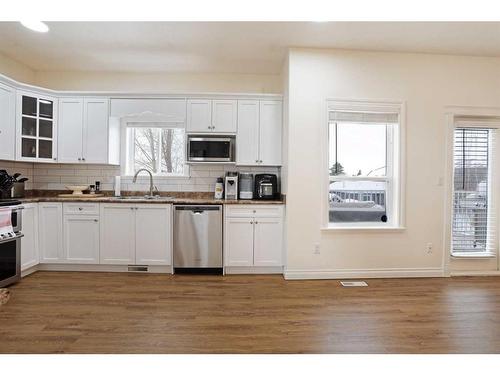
x=198 y=238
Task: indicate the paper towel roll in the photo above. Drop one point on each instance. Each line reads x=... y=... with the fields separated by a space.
x=117 y=186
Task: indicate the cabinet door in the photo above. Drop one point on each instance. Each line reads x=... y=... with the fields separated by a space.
x=247 y=137
x=7 y=123
x=224 y=116
x=268 y=249
x=270 y=132
x=50 y=232
x=238 y=242
x=95 y=130
x=36 y=127
x=153 y=234
x=70 y=130
x=117 y=244
x=81 y=239
x=199 y=116
x=29 y=243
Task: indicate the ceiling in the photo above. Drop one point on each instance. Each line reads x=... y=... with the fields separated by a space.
x=227 y=47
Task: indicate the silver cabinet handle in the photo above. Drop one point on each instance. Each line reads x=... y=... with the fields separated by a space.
x=251 y=222
x=55 y=158
x=83 y=159
x=79 y=159
x=80 y=209
x=96 y=221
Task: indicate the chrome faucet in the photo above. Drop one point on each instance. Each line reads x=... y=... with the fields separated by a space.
x=151 y=186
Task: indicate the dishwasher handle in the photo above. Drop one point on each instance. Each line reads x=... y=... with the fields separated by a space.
x=197 y=209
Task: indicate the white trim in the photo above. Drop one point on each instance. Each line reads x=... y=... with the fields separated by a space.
x=98 y=268
x=364 y=229
x=364 y=273
x=450 y=113
x=137 y=94
x=252 y=270
x=478 y=255
x=399 y=149
x=475 y=273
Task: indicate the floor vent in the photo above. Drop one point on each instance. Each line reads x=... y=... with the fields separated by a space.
x=138 y=268
x=353 y=283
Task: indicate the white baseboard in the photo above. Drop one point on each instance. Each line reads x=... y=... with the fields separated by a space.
x=252 y=270
x=475 y=273
x=364 y=273
x=93 y=268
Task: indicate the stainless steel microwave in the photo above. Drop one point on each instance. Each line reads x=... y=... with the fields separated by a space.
x=210 y=149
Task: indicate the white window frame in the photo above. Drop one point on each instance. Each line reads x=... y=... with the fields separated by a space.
x=146 y=120
x=480 y=118
x=395 y=176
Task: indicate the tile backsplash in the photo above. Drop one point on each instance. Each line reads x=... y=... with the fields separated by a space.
x=57 y=176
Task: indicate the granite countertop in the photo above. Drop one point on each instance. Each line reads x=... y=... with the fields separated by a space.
x=174 y=198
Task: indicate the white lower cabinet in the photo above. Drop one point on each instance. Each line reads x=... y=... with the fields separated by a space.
x=136 y=234
x=253 y=237
x=29 y=243
x=81 y=239
x=117 y=234
x=238 y=244
x=153 y=234
x=50 y=227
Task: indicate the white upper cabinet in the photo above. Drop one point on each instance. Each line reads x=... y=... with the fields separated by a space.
x=211 y=116
x=36 y=127
x=259 y=132
x=83 y=130
x=199 y=116
x=224 y=116
x=270 y=132
x=7 y=122
x=70 y=130
x=95 y=130
x=247 y=138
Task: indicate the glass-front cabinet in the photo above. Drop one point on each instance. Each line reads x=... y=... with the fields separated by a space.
x=36 y=127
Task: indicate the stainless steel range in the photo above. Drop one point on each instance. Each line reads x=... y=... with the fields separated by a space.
x=10 y=241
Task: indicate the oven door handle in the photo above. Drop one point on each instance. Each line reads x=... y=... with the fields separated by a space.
x=8 y=239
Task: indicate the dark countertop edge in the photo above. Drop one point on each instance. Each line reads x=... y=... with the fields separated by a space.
x=148 y=201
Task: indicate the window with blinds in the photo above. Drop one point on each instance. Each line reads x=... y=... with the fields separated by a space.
x=473 y=229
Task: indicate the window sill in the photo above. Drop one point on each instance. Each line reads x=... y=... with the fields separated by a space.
x=363 y=229
x=464 y=255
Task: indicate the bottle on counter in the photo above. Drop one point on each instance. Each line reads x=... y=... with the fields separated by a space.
x=219 y=188
x=98 y=187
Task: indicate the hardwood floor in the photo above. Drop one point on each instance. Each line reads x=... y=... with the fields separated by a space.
x=60 y=312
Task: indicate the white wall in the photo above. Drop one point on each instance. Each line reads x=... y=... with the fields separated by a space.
x=165 y=82
x=427 y=83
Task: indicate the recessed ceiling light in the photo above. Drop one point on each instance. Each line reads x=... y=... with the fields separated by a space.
x=38 y=26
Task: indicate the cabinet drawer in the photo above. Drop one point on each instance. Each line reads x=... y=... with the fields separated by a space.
x=254 y=211
x=81 y=208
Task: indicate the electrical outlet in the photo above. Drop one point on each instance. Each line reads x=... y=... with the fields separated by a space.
x=429 y=248
x=317 y=249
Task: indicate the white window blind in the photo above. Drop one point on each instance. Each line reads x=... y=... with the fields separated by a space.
x=364 y=117
x=474 y=222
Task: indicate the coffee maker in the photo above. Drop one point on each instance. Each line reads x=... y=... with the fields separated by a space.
x=266 y=186
x=231 y=185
